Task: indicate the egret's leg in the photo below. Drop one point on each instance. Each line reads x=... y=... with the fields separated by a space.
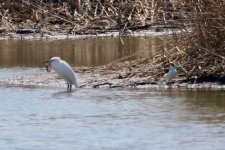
x=69 y=86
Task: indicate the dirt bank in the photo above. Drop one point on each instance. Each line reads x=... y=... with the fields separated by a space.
x=106 y=77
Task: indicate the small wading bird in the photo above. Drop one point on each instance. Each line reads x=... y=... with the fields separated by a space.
x=64 y=70
x=170 y=73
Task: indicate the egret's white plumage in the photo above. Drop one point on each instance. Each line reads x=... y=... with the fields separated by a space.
x=64 y=70
x=171 y=73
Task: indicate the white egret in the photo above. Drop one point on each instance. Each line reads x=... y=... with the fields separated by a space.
x=171 y=72
x=64 y=70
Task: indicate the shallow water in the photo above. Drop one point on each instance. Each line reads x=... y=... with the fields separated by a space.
x=48 y=118
x=51 y=118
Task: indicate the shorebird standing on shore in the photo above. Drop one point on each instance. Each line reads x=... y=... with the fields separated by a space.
x=64 y=70
x=170 y=73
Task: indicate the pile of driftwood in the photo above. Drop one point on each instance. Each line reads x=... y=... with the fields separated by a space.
x=81 y=17
x=204 y=69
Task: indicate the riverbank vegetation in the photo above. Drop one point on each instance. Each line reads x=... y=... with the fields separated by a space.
x=198 y=49
x=92 y=16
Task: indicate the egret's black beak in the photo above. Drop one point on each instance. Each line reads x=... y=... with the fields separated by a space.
x=47 y=61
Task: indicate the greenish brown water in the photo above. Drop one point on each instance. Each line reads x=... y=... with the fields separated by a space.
x=78 y=52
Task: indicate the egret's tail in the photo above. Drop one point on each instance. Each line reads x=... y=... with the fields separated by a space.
x=75 y=81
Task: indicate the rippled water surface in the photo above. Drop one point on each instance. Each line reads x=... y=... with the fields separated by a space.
x=41 y=118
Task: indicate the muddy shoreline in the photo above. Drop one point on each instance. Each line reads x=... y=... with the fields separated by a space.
x=63 y=35
x=93 y=78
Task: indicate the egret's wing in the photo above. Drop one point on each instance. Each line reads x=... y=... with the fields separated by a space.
x=65 y=71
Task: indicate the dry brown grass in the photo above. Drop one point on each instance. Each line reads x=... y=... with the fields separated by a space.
x=200 y=48
x=92 y=14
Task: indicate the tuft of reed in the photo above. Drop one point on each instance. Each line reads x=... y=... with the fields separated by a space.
x=200 y=47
